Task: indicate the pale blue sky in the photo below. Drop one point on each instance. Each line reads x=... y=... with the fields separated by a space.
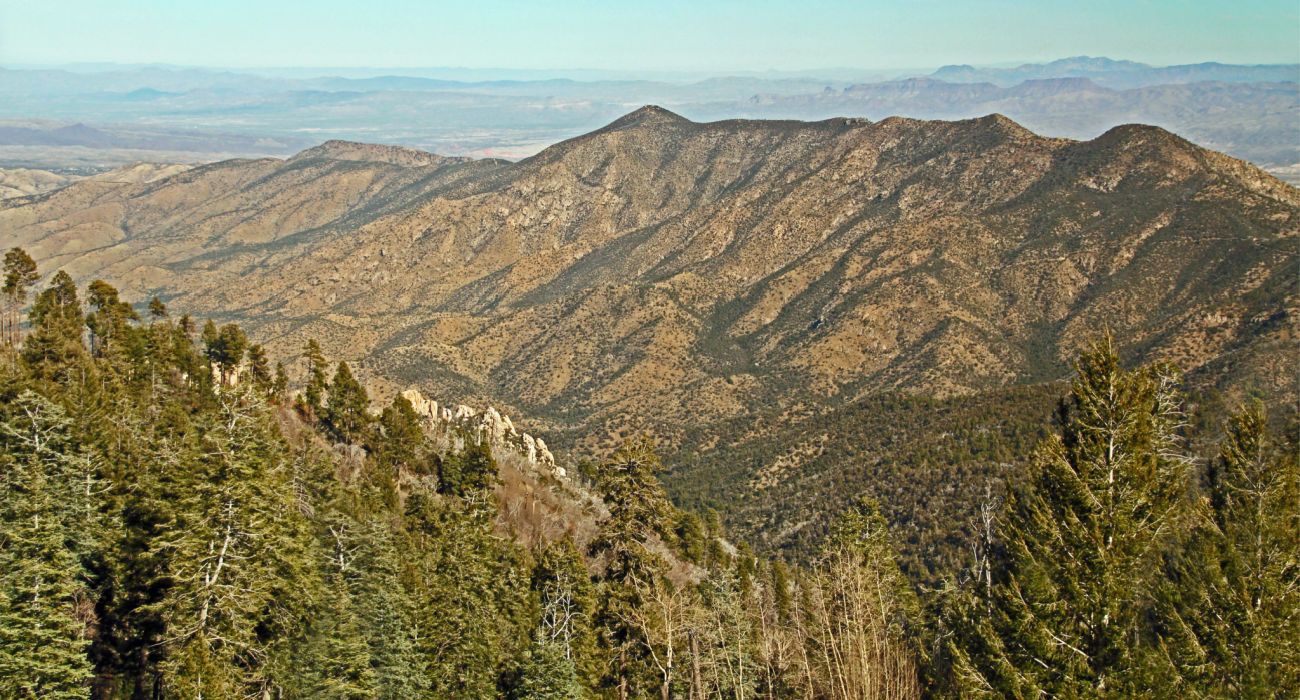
x=708 y=35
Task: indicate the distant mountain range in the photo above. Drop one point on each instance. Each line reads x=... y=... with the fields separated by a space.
x=1121 y=74
x=81 y=149
x=142 y=139
x=1252 y=120
x=1246 y=111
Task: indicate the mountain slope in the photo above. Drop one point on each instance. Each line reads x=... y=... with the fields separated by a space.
x=770 y=298
x=676 y=271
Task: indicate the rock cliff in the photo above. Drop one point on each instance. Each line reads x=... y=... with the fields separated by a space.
x=484 y=426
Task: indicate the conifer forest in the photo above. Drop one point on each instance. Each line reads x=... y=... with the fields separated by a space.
x=178 y=521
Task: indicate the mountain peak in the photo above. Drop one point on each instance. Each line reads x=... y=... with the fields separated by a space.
x=336 y=149
x=1001 y=124
x=649 y=114
x=1130 y=135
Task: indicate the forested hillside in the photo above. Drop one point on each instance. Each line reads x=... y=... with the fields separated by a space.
x=176 y=521
x=173 y=524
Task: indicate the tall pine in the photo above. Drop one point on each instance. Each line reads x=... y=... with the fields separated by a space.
x=1229 y=623
x=43 y=588
x=1081 y=545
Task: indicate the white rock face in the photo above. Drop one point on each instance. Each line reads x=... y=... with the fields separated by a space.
x=497 y=430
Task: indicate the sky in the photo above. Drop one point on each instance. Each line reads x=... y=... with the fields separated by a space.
x=643 y=35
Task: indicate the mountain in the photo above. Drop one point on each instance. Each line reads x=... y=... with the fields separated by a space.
x=55 y=134
x=23 y=182
x=1251 y=120
x=57 y=145
x=20 y=182
x=1120 y=74
x=716 y=282
x=1246 y=111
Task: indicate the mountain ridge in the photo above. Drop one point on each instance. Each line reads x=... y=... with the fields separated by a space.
x=720 y=262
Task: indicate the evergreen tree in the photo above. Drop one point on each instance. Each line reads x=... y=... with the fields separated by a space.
x=224 y=348
x=1082 y=542
x=470 y=472
x=43 y=636
x=131 y=627
x=638 y=514
x=109 y=318
x=112 y=337
x=344 y=671
x=209 y=335
x=53 y=350
x=314 y=394
x=689 y=534
x=279 y=385
x=157 y=309
x=234 y=552
x=470 y=596
x=348 y=411
x=568 y=605
x=389 y=613
x=20 y=275
x=638 y=507
x=259 y=369
x=401 y=439
x=1230 y=618
x=548 y=674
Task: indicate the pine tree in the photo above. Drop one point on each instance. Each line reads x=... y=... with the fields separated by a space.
x=42 y=579
x=1230 y=618
x=157 y=309
x=314 y=394
x=234 y=551
x=400 y=444
x=259 y=369
x=53 y=351
x=131 y=626
x=548 y=674
x=389 y=613
x=109 y=318
x=344 y=671
x=638 y=507
x=224 y=348
x=209 y=335
x=348 y=411
x=1082 y=542
x=470 y=594
x=568 y=605
x=279 y=385
x=638 y=514
x=20 y=275
x=1255 y=493
x=468 y=473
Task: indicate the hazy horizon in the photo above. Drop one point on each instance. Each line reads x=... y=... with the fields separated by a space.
x=714 y=37
x=454 y=73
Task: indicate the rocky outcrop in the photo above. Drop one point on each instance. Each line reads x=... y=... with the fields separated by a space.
x=490 y=425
